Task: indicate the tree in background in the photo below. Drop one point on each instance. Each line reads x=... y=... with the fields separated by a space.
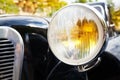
x=50 y=6
x=84 y=1
x=115 y=12
x=8 y=6
x=28 y=6
x=114 y=6
x=81 y=1
x=47 y=7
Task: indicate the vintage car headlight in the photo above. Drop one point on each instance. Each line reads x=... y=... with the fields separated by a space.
x=76 y=34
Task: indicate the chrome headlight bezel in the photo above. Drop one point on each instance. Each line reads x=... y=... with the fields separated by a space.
x=102 y=29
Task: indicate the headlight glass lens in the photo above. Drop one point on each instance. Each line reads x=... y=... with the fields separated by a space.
x=76 y=34
x=83 y=36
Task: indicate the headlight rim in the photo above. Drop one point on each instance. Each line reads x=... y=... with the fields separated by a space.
x=104 y=28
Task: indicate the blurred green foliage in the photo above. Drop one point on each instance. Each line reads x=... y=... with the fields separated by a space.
x=51 y=5
x=48 y=6
x=84 y=1
x=8 y=6
x=31 y=6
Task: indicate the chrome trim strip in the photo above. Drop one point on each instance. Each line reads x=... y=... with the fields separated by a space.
x=12 y=35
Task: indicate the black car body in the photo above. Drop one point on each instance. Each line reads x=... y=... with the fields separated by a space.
x=40 y=64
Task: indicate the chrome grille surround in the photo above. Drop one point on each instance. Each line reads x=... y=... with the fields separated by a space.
x=11 y=53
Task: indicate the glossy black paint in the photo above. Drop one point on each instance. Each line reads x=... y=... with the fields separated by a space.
x=39 y=60
x=102 y=8
x=30 y=21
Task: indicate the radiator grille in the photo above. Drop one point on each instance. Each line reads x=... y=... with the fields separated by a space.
x=7 y=55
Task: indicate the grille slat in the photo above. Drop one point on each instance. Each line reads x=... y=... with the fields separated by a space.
x=8 y=48
x=7 y=71
x=5 y=76
x=6 y=67
x=7 y=55
x=6 y=45
x=7 y=52
x=4 y=64
x=6 y=60
x=9 y=78
x=2 y=41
